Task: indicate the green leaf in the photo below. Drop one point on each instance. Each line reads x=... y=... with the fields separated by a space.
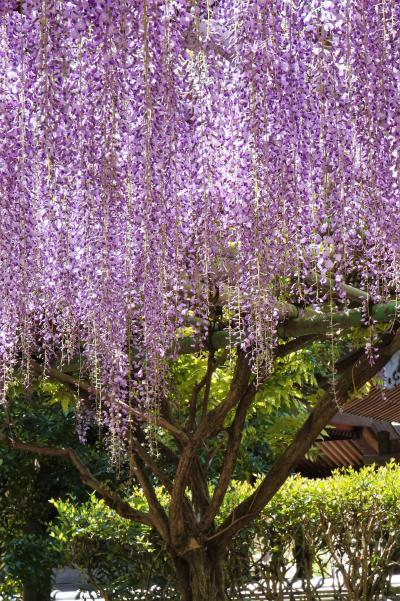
x=64 y=400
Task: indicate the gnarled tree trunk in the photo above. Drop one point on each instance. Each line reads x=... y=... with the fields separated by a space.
x=200 y=577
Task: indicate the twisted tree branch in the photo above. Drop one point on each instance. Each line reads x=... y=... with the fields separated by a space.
x=147 y=459
x=354 y=376
x=235 y=432
x=111 y=498
x=156 y=511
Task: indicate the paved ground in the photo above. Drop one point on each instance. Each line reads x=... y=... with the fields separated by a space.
x=67 y=587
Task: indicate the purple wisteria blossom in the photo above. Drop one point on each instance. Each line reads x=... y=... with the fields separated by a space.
x=154 y=152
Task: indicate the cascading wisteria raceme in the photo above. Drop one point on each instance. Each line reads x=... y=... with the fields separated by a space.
x=158 y=154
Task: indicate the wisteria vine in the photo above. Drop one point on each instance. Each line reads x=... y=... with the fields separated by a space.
x=156 y=154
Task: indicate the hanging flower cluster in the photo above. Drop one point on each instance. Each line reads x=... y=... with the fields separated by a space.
x=158 y=156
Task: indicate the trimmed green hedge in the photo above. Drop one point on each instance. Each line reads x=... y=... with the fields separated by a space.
x=348 y=524
x=115 y=555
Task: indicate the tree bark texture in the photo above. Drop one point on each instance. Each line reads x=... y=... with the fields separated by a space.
x=200 y=577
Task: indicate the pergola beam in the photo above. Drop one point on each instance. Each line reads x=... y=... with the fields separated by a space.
x=308 y=323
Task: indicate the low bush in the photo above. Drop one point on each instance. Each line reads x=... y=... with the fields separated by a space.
x=346 y=526
x=114 y=555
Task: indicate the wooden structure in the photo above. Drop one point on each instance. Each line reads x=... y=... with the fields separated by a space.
x=366 y=431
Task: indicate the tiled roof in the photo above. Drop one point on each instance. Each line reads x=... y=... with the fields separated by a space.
x=379 y=404
x=357 y=430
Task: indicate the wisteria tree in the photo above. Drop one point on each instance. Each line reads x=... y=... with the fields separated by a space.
x=185 y=175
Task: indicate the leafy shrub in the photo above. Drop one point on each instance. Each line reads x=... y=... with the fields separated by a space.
x=114 y=554
x=347 y=525
x=27 y=558
x=28 y=554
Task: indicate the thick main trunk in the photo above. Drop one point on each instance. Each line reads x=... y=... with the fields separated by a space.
x=200 y=577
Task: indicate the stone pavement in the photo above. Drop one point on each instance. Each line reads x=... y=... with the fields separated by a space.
x=66 y=588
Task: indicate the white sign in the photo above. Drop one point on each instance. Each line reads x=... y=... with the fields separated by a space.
x=391 y=372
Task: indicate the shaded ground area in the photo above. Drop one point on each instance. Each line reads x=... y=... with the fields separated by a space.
x=68 y=582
